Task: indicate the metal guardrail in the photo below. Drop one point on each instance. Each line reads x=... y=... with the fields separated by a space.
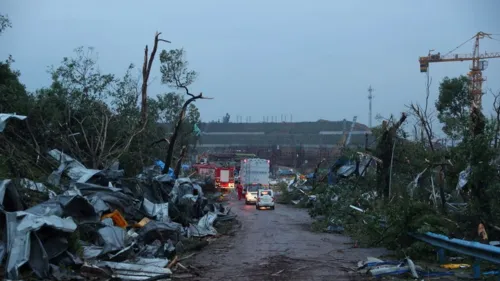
x=468 y=248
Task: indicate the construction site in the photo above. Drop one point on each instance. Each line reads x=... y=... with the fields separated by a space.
x=373 y=172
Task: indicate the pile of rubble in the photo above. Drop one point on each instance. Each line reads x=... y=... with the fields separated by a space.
x=101 y=225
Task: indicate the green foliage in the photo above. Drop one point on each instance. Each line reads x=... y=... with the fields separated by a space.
x=174 y=69
x=453 y=105
x=410 y=208
x=90 y=115
x=13 y=95
x=4 y=23
x=385 y=225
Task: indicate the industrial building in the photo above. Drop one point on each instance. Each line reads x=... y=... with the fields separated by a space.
x=289 y=144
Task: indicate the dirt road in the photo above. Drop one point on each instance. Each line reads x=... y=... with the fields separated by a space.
x=278 y=245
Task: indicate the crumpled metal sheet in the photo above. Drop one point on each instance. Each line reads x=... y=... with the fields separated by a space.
x=24 y=245
x=37 y=186
x=9 y=197
x=4 y=117
x=3 y=250
x=184 y=188
x=76 y=170
x=113 y=238
x=113 y=172
x=204 y=226
x=112 y=197
x=99 y=205
x=158 y=211
x=155 y=230
x=151 y=262
x=88 y=188
x=218 y=208
x=148 y=173
x=63 y=205
x=130 y=271
x=91 y=252
x=346 y=170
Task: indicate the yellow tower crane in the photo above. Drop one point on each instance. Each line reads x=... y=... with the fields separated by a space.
x=479 y=63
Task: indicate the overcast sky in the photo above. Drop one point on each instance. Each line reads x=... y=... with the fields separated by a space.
x=313 y=59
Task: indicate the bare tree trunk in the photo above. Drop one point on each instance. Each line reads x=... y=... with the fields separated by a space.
x=146 y=70
x=178 y=166
x=496 y=108
x=177 y=129
x=315 y=175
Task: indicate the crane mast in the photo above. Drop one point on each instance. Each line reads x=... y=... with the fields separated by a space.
x=479 y=63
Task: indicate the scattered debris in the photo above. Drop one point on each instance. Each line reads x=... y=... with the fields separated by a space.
x=4 y=117
x=379 y=268
x=101 y=226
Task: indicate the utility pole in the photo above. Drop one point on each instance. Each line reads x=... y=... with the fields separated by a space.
x=370 y=98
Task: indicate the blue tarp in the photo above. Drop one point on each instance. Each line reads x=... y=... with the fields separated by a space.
x=161 y=164
x=310 y=176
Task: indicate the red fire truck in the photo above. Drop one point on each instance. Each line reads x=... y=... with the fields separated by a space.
x=224 y=177
x=205 y=169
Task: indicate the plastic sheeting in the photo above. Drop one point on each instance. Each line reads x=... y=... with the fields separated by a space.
x=463 y=178
x=414 y=184
x=161 y=164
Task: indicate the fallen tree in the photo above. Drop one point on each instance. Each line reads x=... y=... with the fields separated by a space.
x=94 y=116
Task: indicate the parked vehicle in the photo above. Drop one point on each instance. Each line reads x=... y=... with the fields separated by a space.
x=224 y=177
x=265 y=198
x=251 y=192
x=254 y=171
x=205 y=169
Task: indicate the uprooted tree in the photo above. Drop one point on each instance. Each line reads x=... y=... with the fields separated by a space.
x=422 y=174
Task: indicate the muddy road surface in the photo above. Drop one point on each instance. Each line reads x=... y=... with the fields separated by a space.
x=279 y=245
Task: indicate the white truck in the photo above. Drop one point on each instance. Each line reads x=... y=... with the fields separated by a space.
x=254 y=175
